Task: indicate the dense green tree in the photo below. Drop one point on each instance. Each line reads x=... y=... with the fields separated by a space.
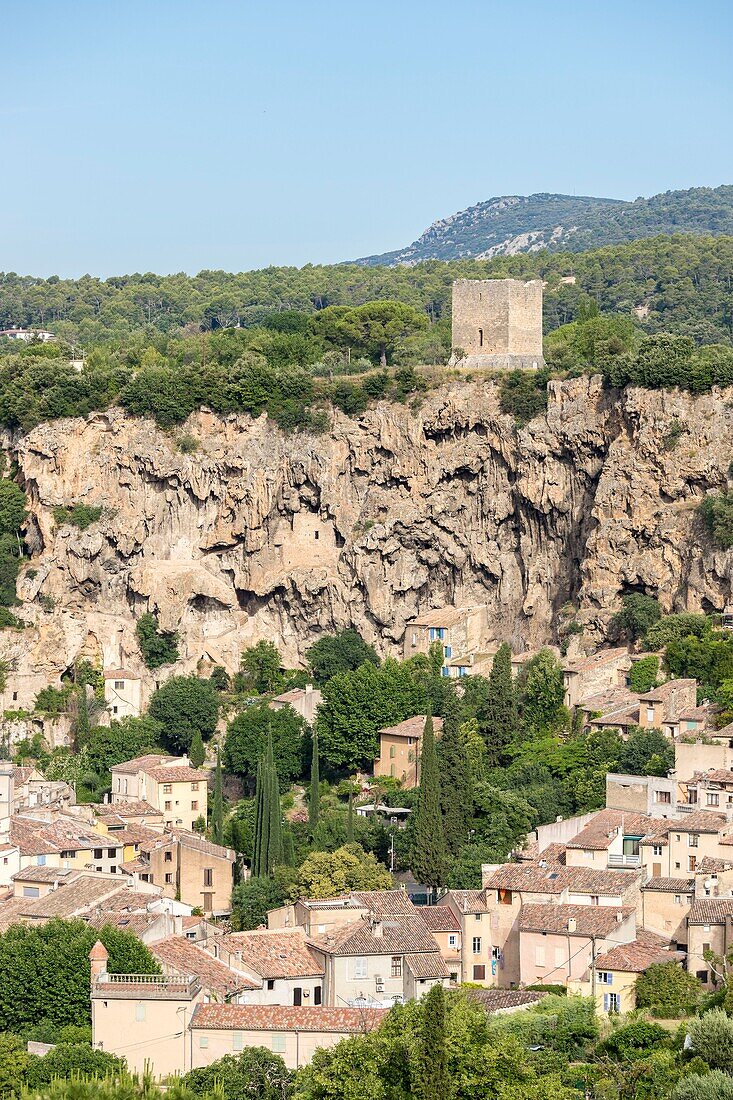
x=158 y=647
x=197 y=752
x=314 y=801
x=247 y=735
x=71 y=1060
x=217 y=805
x=498 y=716
x=711 y=1037
x=432 y=1056
x=262 y=668
x=644 y=674
x=669 y=986
x=327 y=874
x=646 y=752
x=428 y=859
x=123 y=739
x=336 y=653
x=14 y=1062
x=456 y=791
x=543 y=694
x=715 y=1085
x=674 y=628
x=638 y=613
x=268 y=815
x=181 y=706
x=255 y=1074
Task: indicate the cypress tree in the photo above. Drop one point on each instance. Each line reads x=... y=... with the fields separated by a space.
x=499 y=718
x=428 y=845
x=197 y=752
x=274 y=850
x=262 y=823
x=432 y=1078
x=350 y=820
x=217 y=809
x=314 y=803
x=456 y=791
x=82 y=725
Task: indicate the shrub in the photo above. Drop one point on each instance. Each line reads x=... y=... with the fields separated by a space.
x=668 y=985
x=673 y=628
x=523 y=394
x=158 y=647
x=638 y=613
x=711 y=1036
x=633 y=1038
x=187 y=444
x=643 y=674
x=716 y=511
x=9 y=621
x=708 y=1086
x=78 y=515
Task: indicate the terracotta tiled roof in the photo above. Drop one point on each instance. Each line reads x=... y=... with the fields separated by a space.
x=611 y=698
x=84 y=893
x=715 y=775
x=469 y=901
x=125 y=809
x=138 y=763
x=443 y=616
x=700 y=821
x=384 y=902
x=185 y=957
x=595 y=920
x=665 y=690
x=119 y=674
x=597 y=660
x=670 y=885
x=599 y=833
x=554 y=879
x=428 y=964
x=178 y=774
x=191 y=840
x=494 y=1000
x=45 y=874
x=137 y=923
x=349 y=1021
x=398 y=935
x=35 y=837
x=439 y=918
x=710 y=911
x=273 y=954
x=412 y=727
x=634 y=957
x=553 y=853
x=708 y=865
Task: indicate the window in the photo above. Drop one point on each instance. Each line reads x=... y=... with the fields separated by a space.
x=15 y=696
x=140 y=1013
x=677 y=899
x=119 y=685
x=316 y=535
x=559 y=956
x=656 y=849
x=97 y=853
x=208 y=876
x=194 y=805
x=452 y=941
x=168 y=857
x=169 y=805
x=208 y=905
x=692 y=863
x=31 y=892
x=701 y=975
x=604 y=977
x=713 y=798
x=663 y=796
x=504 y=897
x=650 y=714
x=237 y=1040
x=396 y=970
x=479 y=973
x=477 y=916
x=392 y=752
x=447 y=650
x=539 y=955
x=611 y=1002
x=194 y=786
x=278 y=1043
x=70 y=853
x=114 y=710
x=317 y=995
x=270 y=984
x=297 y=996
x=167 y=788
x=111 y=853
x=360 y=967
x=169 y=879
x=203 y=1041
x=692 y=840
x=480 y=337
x=477 y=945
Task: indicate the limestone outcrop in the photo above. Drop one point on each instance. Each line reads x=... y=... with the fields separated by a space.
x=259 y=534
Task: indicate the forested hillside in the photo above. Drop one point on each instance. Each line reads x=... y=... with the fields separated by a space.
x=527 y=223
x=681 y=284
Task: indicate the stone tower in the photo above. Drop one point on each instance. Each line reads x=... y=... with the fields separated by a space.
x=497 y=323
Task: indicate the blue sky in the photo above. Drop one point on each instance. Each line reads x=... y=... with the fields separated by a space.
x=177 y=135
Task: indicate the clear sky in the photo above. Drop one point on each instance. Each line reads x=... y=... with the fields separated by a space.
x=177 y=135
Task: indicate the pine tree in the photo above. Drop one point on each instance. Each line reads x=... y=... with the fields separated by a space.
x=314 y=804
x=428 y=845
x=499 y=718
x=456 y=790
x=197 y=752
x=217 y=809
x=432 y=1077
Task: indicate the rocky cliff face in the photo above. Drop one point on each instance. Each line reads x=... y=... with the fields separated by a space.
x=263 y=535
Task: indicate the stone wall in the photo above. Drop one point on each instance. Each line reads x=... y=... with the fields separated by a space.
x=498 y=318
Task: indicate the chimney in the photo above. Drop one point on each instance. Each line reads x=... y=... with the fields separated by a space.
x=98 y=957
x=619 y=917
x=309 y=689
x=572 y=924
x=377 y=929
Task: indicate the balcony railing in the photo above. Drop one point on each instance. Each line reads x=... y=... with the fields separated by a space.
x=158 y=986
x=624 y=861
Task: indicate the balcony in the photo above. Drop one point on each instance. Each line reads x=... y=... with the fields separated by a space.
x=145 y=986
x=624 y=861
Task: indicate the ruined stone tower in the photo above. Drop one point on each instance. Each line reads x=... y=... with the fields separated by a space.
x=497 y=323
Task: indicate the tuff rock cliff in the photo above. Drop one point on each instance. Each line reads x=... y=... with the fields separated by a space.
x=259 y=534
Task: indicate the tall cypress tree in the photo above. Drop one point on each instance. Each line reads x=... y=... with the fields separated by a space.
x=274 y=851
x=456 y=790
x=499 y=718
x=428 y=844
x=314 y=803
x=350 y=820
x=262 y=822
x=217 y=809
x=431 y=1082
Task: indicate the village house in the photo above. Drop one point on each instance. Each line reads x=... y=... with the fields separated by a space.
x=709 y=928
x=169 y=784
x=665 y=907
x=281 y=964
x=461 y=631
x=559 y=942
x=304 y=701
x=709 y=751
x=479 y=961
x=185 y=866
x=445 y=928
x=179 y=956
x=611 y=979
x=63 y=842
x=709 y=790
x=586 y=676
x=400 y=747
x=652 y=795
x=293 y=1033
x=122 y=693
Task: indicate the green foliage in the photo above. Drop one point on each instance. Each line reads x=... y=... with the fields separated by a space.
x=314 y=801
x=262 y=668
x=44 y=970
x=708 y=1086
x=217 y=804
x=716 y=510
x=708 y=659
x=523 y=394
x=187 y=444
x=158 y=647
x=646 y=752
x=673 y=628
x=594 y=342
x=267 y=848
x=498 y=716
x=78 y=515
x=711 y=1037
x=456 y=782
x=8 y=621
x=220 y=678
x=638 y=613
x=53 y=701
x=327 y=874
x=336 y=653
x=251 y=901
x=255 y=1074
x=669 y=986
x=70 y=1060
x=428 y=860
x=246 y=736
x=543 y=693
x=633 y=1038
x=565 y=1024
x=644 y=673
x=12 y=517
x=181 y=706
x=432 y=1055
x=197 y=752
x=14 y=1062
x=123 y=739
x=12 y=507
